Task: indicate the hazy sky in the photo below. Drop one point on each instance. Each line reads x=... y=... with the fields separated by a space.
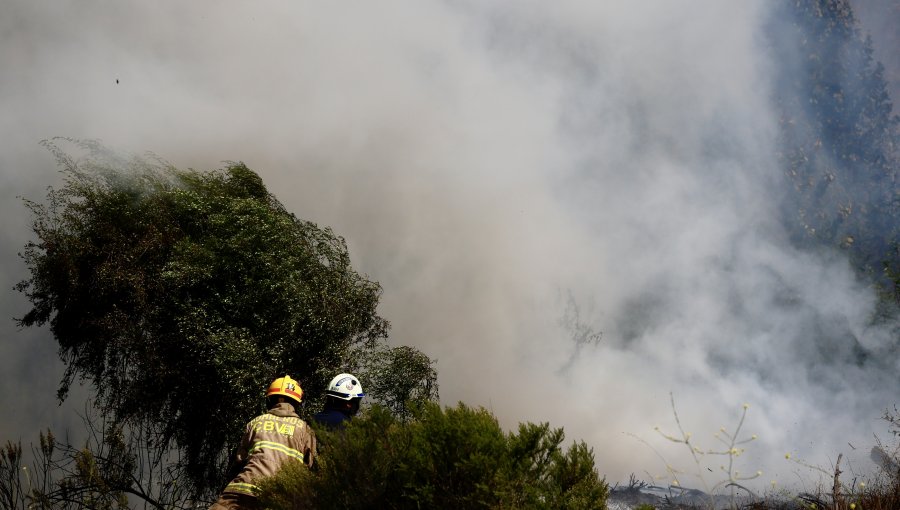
x=494 y=165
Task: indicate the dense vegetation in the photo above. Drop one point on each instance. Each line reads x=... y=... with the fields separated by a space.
x=840 y=141
x=179 y=295
x=441 y=458
x=165 y=287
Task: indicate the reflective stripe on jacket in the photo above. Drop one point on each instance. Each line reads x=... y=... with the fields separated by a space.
x=269 y=440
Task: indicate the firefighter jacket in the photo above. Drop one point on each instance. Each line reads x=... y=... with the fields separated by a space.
x=270 y=440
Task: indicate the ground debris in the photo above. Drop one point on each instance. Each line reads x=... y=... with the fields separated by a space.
x=672 y=497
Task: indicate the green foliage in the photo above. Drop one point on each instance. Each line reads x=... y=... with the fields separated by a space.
x=116 y=467
x=839 y=139
x=95 y=476
x=179 y=295
x=398 y=378
x=441 y=458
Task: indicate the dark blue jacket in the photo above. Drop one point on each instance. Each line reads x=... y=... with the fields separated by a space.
x=332 y=418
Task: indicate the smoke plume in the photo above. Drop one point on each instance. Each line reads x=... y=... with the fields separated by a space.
x=571 y=206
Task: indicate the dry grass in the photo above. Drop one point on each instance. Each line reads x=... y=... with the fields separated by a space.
x=880 y=492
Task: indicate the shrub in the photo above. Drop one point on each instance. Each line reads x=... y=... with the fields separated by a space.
x=441 y=458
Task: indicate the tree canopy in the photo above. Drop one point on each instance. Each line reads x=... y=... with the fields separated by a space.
x=179 y=295
x=839 y=143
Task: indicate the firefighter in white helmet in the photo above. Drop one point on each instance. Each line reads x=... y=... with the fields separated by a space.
x=342 y=398
x=269 y=440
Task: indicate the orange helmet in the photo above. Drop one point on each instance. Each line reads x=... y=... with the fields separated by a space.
x=287 y=387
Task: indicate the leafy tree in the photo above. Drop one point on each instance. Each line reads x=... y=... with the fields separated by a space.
x=839 y=140
x=399 y=378
x=441 y=458
x=179 y=295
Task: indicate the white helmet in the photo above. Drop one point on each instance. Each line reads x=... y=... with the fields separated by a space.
x=345 y=387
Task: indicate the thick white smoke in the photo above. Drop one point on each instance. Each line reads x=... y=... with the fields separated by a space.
x=497 y=168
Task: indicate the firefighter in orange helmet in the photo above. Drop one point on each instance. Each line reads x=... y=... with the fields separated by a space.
x=269 y=440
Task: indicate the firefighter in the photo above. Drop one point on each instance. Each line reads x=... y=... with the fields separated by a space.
x=342 y=399
x=269 y=440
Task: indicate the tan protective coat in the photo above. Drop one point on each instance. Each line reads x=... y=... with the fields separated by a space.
x=270 y=440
